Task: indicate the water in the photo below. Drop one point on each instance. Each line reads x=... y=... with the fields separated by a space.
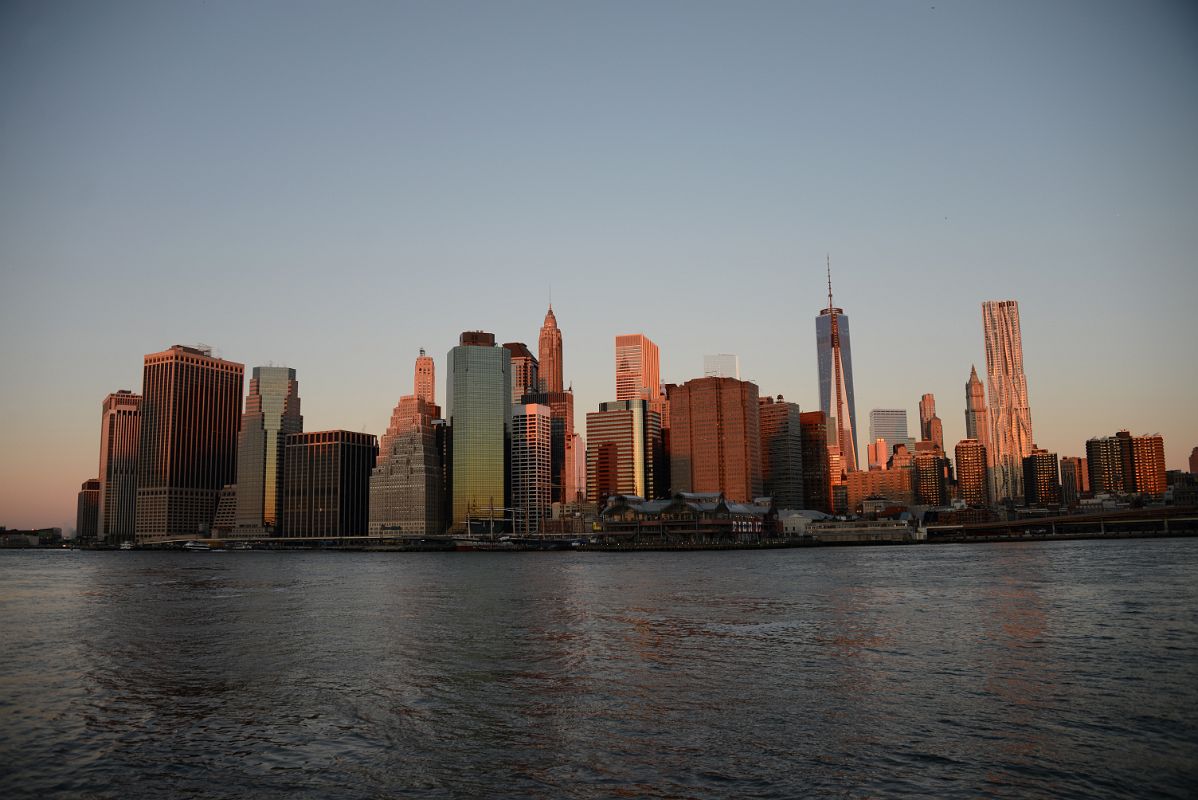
x=1019 y=670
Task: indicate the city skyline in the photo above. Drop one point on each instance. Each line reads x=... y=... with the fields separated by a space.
x=689 y=191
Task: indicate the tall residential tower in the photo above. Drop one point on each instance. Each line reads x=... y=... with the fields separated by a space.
x=1010 y=415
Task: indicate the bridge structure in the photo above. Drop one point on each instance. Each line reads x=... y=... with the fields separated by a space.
x=1139 y=522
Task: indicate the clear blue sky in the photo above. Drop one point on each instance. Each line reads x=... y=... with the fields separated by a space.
x=332 y=186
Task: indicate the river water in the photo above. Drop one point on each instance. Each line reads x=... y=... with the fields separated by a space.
x=1060 y=669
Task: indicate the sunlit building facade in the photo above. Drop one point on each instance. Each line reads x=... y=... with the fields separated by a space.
x=120 y=438
x=715 y=438
x=525 y=370
x=478 y=407
x=889 y=424
x=1010 y=414
x=638 y=372
x=973 y=485
x=272 y=412
x=549 y=354
x=407 y=483
x=425 y=383
x=532 y=477
x=190 y=418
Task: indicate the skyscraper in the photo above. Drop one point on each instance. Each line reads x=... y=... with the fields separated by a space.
x=120 y=438
x=407 y=484
x=817 y=483
x=525 y=371
x=1041 y=478
x=977 y=421
x=87 y=510
x=1010 y=414
x=272 y=412
x=1106 y=458
x=890 y=424
x=1075 y=479
x=927 y=410
x=836 y=379
x=190 y=417
x=781 y=451
x=549 y=352
x=1194 y=461
x=972 y=480
x=638 y=373
x=715 y=438
x=929 y=480
x=1148 y=464
x=326 y=488
x=425 y=383
x=532 y=480
x=623 y=451
x=478 y=408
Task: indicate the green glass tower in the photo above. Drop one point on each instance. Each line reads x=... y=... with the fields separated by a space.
x=478 y=408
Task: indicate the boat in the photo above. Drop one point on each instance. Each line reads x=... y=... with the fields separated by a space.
x=194 y=545
x=126 y=545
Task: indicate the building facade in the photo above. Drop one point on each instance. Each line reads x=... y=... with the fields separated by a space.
x=836 y=398
x=525 y=371
x=715 y=438
x=817 y=475
x=478 y=409
x=425 y=383
x=120 y=438
x=638 y=371
x=87 y=511
x=532 y=477
x=1075 y=479
x=1148 y=464
x=721 y=365
x=781 y=452
x=889 y=424
x=973 y=484
x=893 y=485
x=549 y=352
x=1010 y=413
x=407 y=492
x=326 y=483
x=1041 y=479
x=930 y=477
x=624 y=448
x=190 y=418
x=272 y=413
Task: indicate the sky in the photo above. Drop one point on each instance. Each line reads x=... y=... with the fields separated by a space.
x=332 y=186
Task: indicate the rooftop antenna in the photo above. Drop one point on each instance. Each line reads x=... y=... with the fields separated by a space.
x=829 y=261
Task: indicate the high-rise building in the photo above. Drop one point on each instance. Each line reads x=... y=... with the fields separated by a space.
x=425 y=384
x=1075 y=479
x=1010 y=414
x=977 y=421
x=972 y=481
x=1194 y=461
x=927 y=410
x=1104 y=460
x=326 y=483
x=817 y=478
x=781 y=451
x=638 y=371
x=1148 y=464
x=407 y=493
x=190 y=418
x=561 y=408
x=578 y=485
x=531 y=475
x=721 y=365
x=715 y=438
x=478 y=409
x=623 y=451
x=889 y=424
x=549 y=351
x=272 y=412
x=525 y=371
x=930 y=477
x=836 y=380
x=1041 y=478
x=120 y=438
x=87 y=510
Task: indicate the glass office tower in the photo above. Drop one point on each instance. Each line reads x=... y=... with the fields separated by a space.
x=272 y=411
x=478 y=407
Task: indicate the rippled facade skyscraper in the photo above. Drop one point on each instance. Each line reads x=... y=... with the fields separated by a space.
x=1010 y=414
x=478 y=408
x=272 y=411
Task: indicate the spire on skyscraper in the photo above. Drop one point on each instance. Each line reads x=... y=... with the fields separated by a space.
x=549 y=353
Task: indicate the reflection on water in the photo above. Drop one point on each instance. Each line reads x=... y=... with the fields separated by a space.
x=1059 y=669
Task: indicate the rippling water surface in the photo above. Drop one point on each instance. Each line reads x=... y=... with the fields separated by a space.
x=1021 y=670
